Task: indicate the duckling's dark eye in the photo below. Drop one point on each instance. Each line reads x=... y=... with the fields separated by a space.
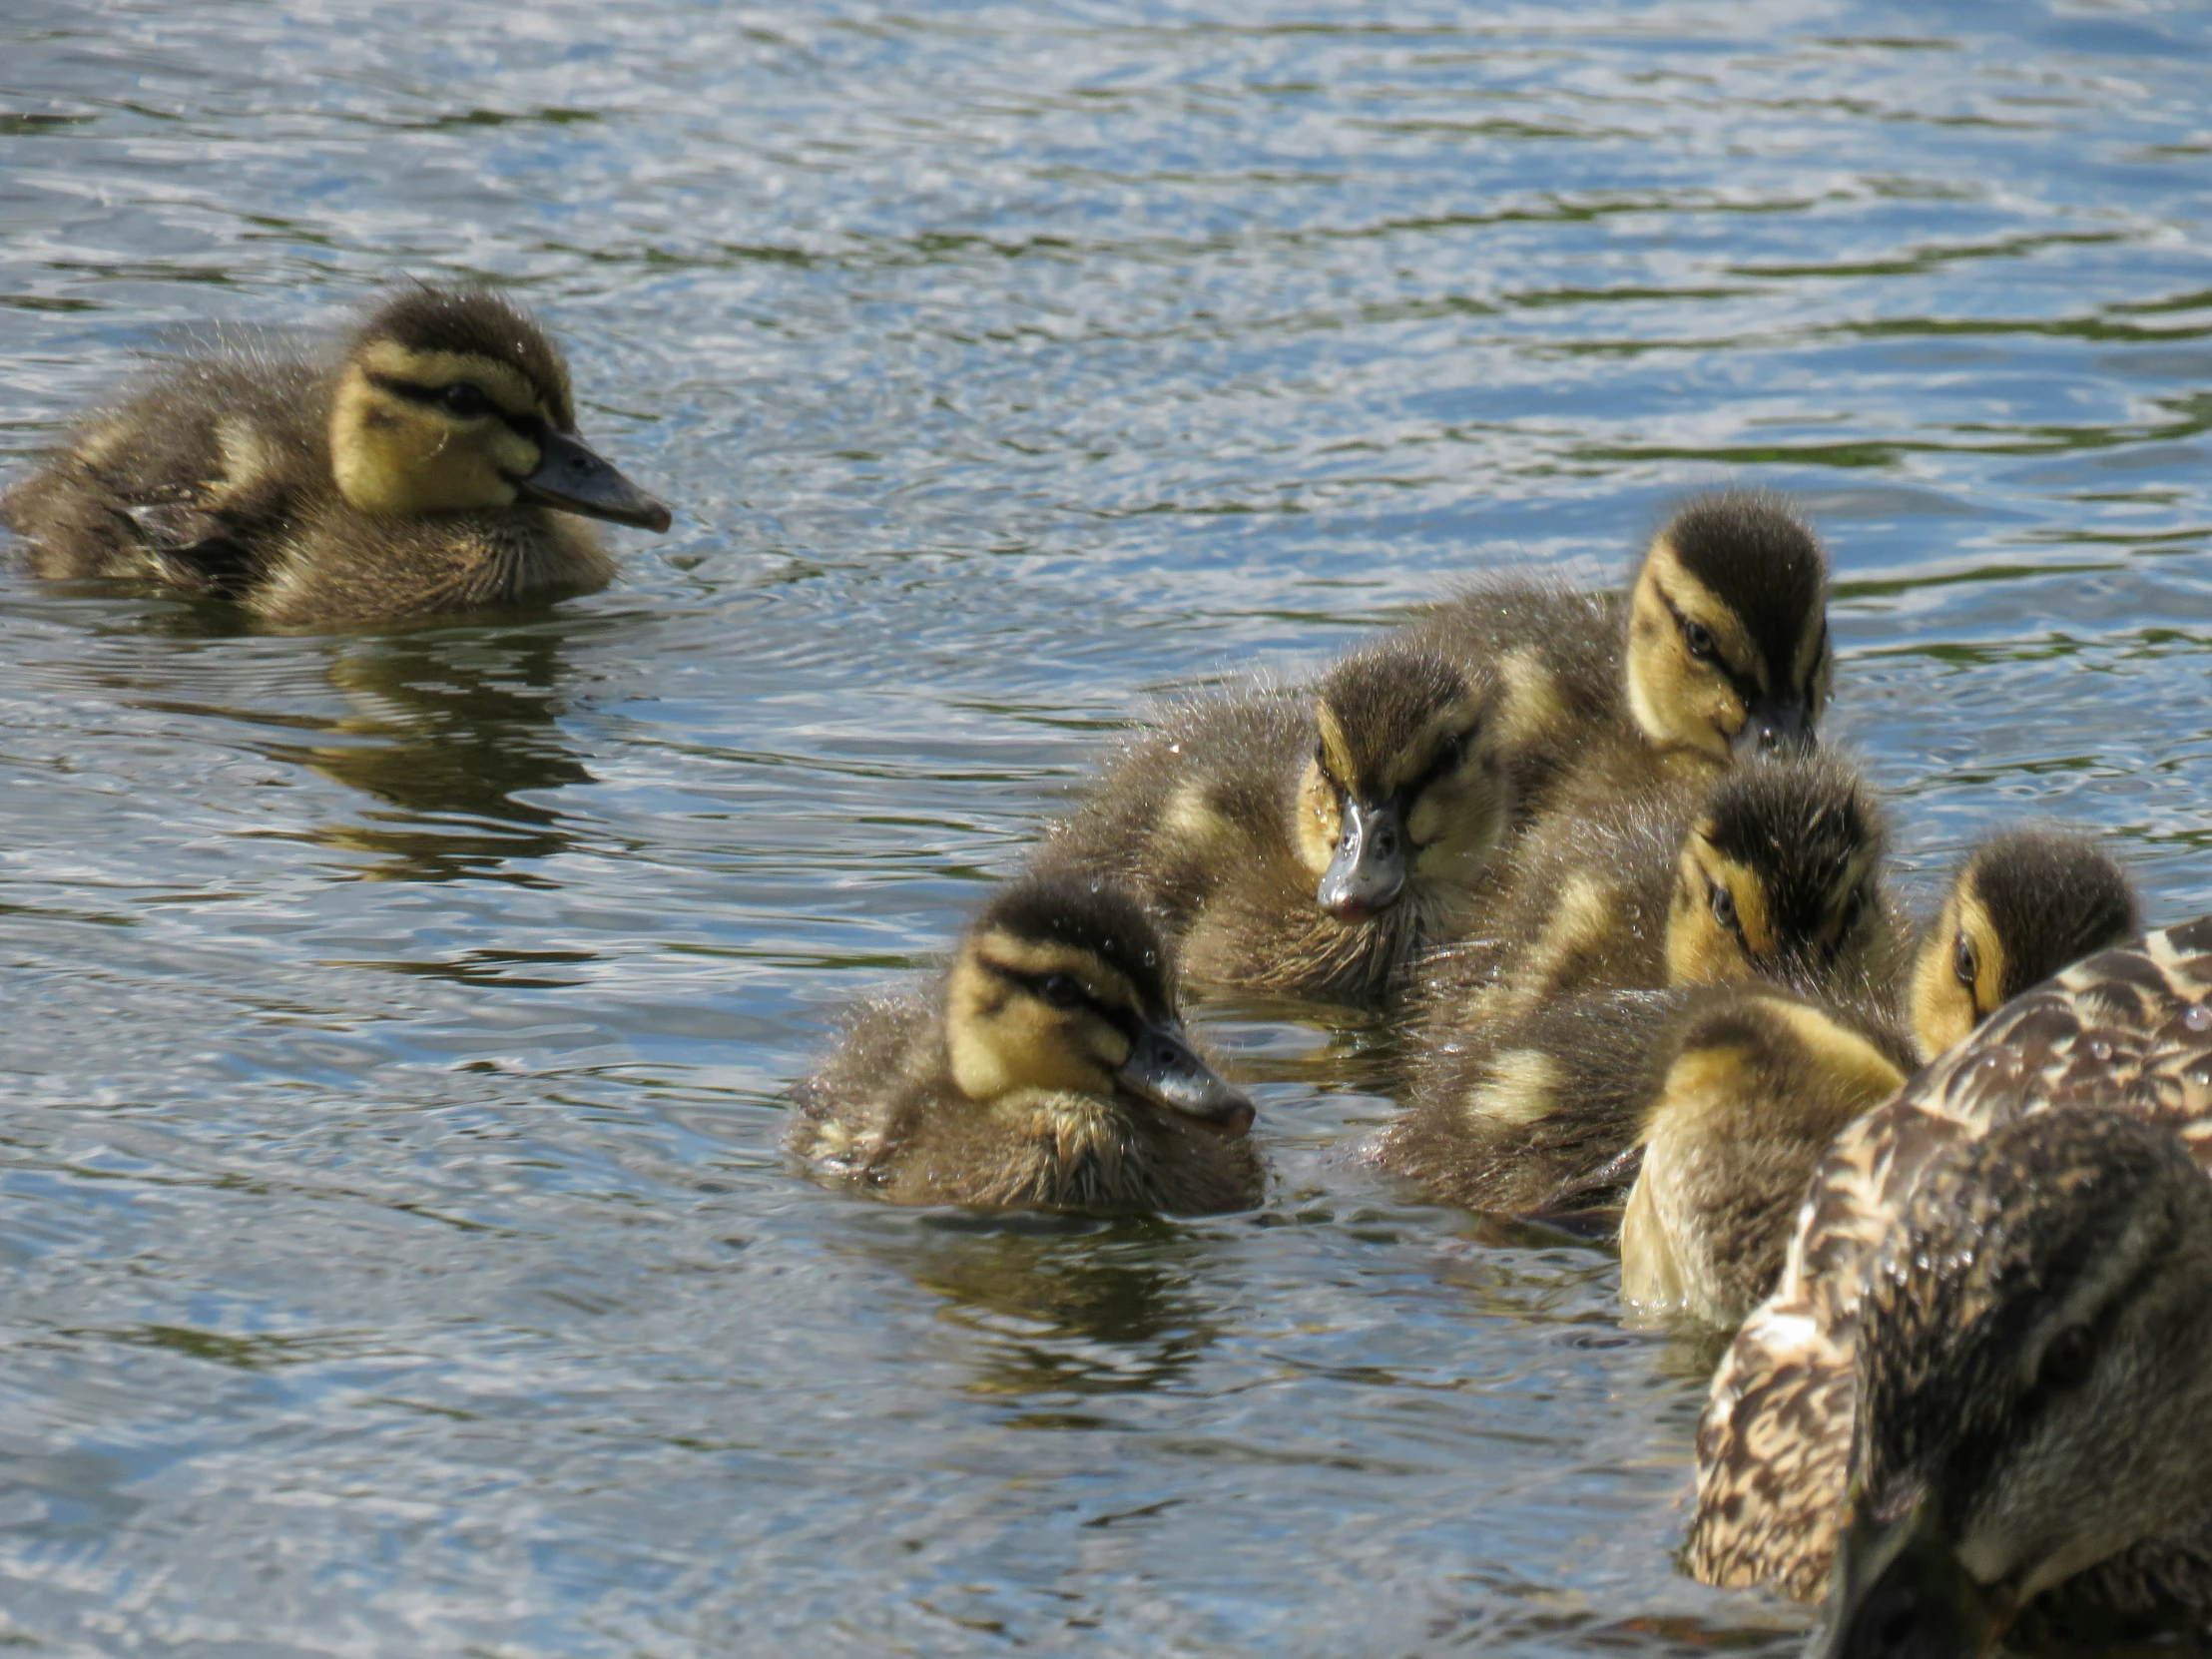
x=2069 y=1360
x=1724 y=904
x=1962 y=963
x=1698 y=640
x=1062 y=990
x=467 y=401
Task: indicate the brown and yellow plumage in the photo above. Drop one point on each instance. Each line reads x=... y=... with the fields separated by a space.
x=432 y=467
x=1046 y=1069
x=1307 y=843
x=1754 y=1081
x=1719 y=647
x=1533 y=1049
x=2127 y=1032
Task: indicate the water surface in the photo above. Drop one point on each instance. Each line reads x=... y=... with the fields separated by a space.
x=399 y=1259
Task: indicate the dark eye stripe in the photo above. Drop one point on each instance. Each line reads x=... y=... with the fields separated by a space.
x=1121 y=1020
x=414 y=391
x=1746 y=687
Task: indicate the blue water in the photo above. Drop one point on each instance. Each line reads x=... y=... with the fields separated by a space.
x=398 y=1255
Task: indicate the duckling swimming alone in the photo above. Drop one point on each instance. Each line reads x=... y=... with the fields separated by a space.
x=1752 y=1083
x=1046 y=1070
x=1982 y=1384
x=1720 y=648
x=1306 y=843
x=1528 y=1089
x=429 y=470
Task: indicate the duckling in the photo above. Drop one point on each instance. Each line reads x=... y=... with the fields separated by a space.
x=1752 y=1083
x=1773 y=869
x=1980 y=1384
x=1306 y=843
x=1046 y=1070
x=1527 y=1090
x=1721 y=648
x=425 y=471
x=2024 y=904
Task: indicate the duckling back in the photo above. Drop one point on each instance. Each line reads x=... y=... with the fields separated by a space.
x=182 y=482
x=1750 y=1085
x=1555 y=655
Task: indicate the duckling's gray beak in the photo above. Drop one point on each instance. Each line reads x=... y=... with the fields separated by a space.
x=574 y=479
x=1165 y=1069
x=1774 y=725
x=1899 y=1592
x=1369 y=871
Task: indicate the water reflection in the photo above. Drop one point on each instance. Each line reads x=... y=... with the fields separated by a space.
x=1064 y=1306
x=451 y=731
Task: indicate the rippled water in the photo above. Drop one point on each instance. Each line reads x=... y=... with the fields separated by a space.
x=399 y=1259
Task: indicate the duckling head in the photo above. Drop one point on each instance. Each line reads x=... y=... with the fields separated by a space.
x=1406 y=790
x=452 y=400
x=1063 y=987
x=1727 y=628
x=1781 y=876
x=2025 y=904
x=2034 y=1377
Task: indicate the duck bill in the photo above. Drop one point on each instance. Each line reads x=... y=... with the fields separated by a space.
x=1774 y=725
x=572 y=478
x=1899 y=1592
x=1369 y=870
x=1163 y=1068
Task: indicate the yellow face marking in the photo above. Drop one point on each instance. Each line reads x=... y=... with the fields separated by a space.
x=1035 y=958
x=1003 y=1040
x=502 y=382
x=1677 y=700
x=1456 y=823
x=1521 y=1086
x=1702 y=949
x=397 y=456
x=1946 y=1007
x=1418 y=755
x=1336 y=751
x=1681 y=593
x=1320 y=820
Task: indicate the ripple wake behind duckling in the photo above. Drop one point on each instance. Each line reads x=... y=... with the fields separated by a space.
x=435 y=467
x=1046 y=1069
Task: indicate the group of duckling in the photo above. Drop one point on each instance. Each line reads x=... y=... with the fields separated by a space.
x=1629 y=923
